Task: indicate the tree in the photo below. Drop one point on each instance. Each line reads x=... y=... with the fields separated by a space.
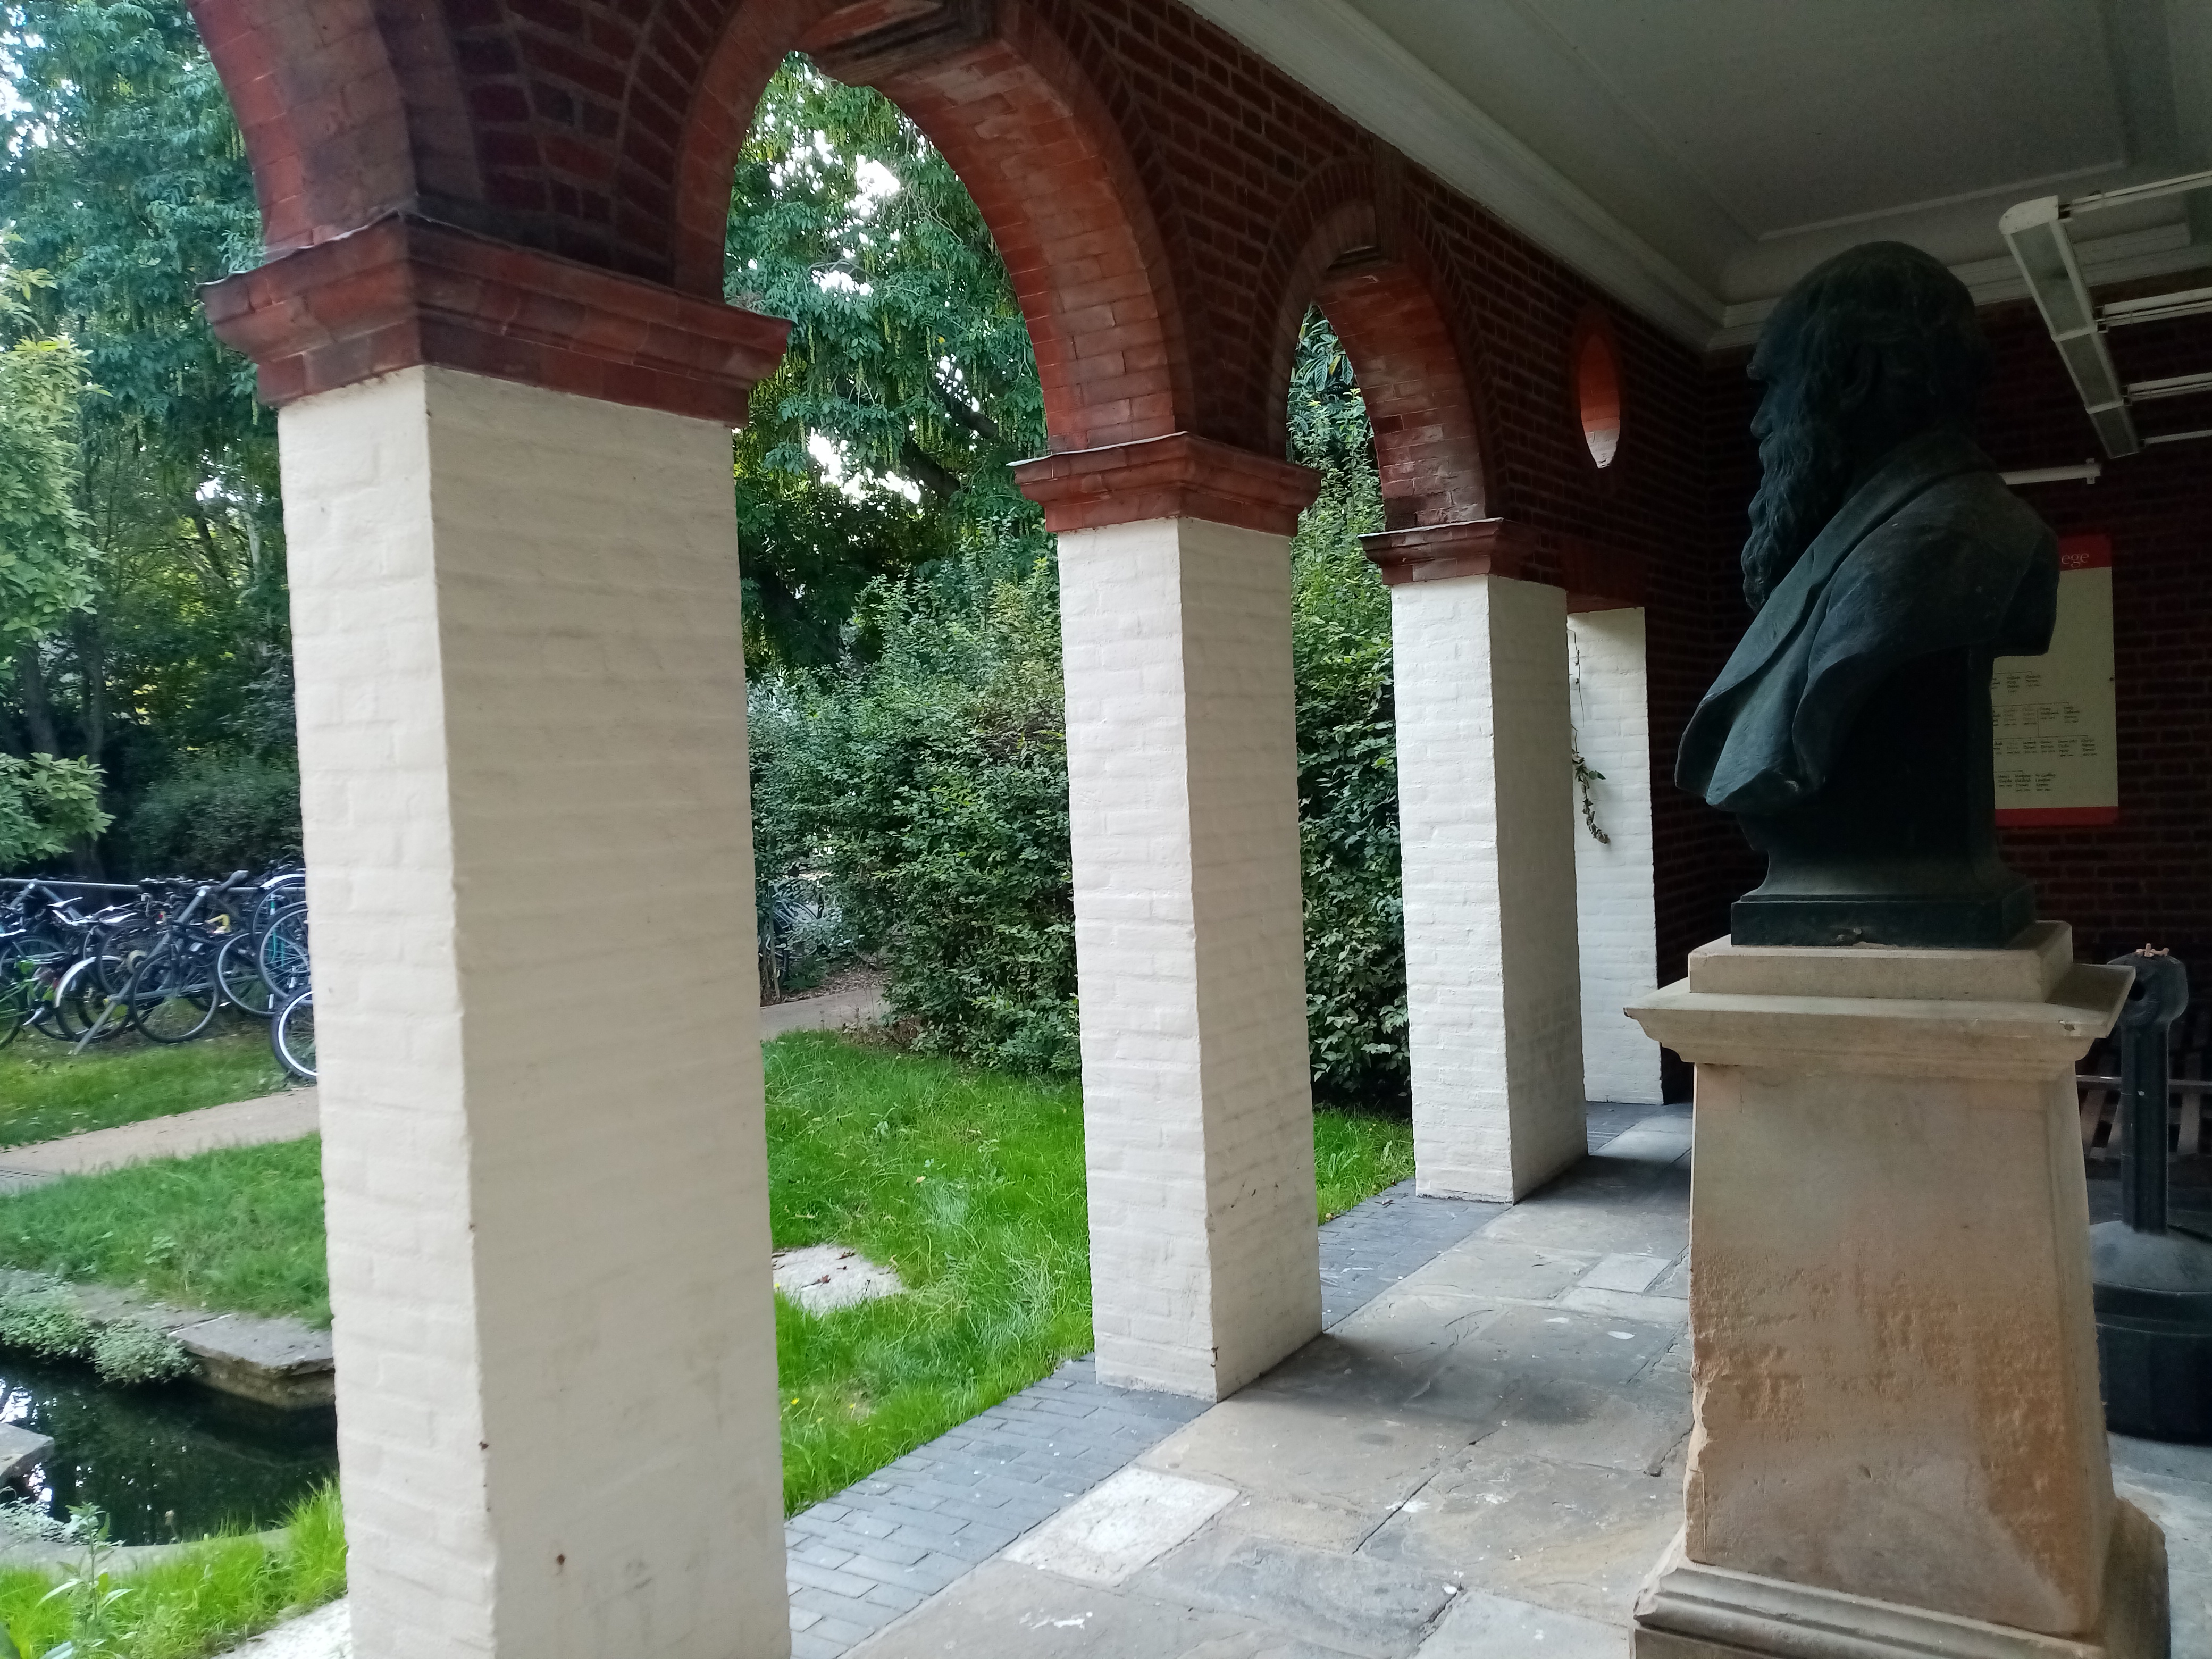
x=122 y=173
x=881 y=444
x=45 y=554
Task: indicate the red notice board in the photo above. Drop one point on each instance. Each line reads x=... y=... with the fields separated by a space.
x=2055 y=727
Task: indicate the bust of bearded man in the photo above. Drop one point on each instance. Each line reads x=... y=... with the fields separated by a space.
x=1887 y=565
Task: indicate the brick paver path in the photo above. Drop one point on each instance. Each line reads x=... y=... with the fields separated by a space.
x=886 y=1544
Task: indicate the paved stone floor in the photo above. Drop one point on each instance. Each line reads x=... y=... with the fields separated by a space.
x=1480 y=1459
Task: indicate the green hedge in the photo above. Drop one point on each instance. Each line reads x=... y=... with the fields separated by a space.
x=217 y=811
x=929 y=776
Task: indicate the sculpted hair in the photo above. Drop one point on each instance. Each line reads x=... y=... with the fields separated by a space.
x=1885 y=345
x=1891 y=339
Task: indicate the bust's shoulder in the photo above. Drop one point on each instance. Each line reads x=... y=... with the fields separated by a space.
x=1972 y=508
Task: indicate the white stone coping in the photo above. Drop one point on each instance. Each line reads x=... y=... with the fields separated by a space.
x=2029 y=969
x=1889 y=1036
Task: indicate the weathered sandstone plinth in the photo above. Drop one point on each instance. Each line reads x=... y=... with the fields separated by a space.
x=1900 y=1448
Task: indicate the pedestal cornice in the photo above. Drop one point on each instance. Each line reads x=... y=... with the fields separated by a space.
x=1902 y=1031
x=406 y=291
x=1179 y=475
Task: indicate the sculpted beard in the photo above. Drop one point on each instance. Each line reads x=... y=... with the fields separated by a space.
x=1807 y=463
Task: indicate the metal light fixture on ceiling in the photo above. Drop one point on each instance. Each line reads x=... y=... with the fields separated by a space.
x=2043 y=247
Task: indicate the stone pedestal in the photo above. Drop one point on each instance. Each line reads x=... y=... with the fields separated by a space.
x=1900 y=1448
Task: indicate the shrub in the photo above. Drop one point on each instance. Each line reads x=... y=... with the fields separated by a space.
x=131 y=1353
x=46 y=1322
x=932 y=782
x=219 y=811
x=47 y=805
x=929 y=774
x=1348 y=805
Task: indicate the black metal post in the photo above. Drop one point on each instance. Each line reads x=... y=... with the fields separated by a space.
x=2155 y=1002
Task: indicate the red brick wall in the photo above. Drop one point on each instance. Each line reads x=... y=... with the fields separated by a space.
x=2147 y=877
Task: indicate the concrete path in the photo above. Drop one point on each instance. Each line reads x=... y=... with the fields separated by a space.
x=289 y=1115
x=242 y=1123
x=860 y=1004
x=326 y=1633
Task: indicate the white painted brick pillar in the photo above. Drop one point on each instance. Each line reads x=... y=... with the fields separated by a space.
x=1612 y=878
x=1182 y=785
x=522 y=744
x=1488 y=822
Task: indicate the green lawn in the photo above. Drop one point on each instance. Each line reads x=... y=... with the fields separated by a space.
x=204 y=1599
x=970 y=1183
x=239 y=1229
x=45 y=1091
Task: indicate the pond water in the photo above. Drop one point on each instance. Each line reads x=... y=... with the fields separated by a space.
x=166 y=1462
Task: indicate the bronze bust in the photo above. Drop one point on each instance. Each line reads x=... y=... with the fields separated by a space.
x=1887 y=565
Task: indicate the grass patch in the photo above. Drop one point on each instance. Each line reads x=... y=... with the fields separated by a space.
x=47 y=1092
x=1357 y=1155
x=203 y=1600
x=239 y=1229
x=970 y=1183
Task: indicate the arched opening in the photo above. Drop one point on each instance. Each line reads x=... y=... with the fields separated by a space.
x=1000 y=95
x=1341 y=665
x=1427 y=446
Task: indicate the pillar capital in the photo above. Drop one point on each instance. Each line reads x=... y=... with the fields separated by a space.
x=1438 y=552
x=404 y=291
x=1178 y=476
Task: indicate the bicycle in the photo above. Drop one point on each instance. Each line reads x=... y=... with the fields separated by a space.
x=171 y=995
x=292 y=1035
x=238 y=965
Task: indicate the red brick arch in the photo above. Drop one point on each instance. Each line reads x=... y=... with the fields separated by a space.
x=1355 y=260
x=606 y=133
x=326 y=126
x=1030 y=137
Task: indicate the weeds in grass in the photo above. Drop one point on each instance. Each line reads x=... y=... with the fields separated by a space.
x=46 y=1321
x=1357 y=1155
x=199 y=1600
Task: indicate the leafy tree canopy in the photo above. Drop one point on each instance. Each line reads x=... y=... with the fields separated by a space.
x=45 y=555
x=881 y=445
x=122 y=174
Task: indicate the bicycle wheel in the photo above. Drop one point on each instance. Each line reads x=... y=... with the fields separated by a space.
x=283 y=953
x=19 y=991
x=171 y=996
x=237 y=973
x=82 y=1004
x=292 y=1035
x=47 y=970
